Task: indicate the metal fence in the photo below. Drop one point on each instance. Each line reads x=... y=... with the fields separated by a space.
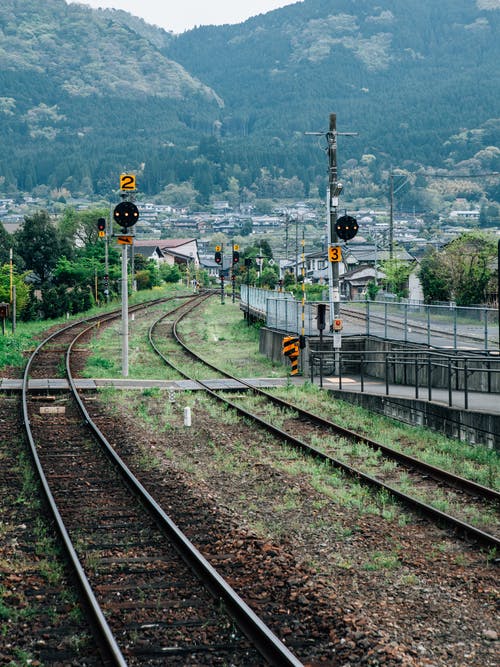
x=435 y=325
x=422 y=371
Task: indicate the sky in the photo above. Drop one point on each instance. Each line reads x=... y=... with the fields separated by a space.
x=185 y=14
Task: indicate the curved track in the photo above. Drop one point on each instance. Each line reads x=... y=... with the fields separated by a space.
x=151 y=597
x=427 y=474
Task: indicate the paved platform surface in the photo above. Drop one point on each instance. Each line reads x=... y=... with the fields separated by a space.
x=477 y=401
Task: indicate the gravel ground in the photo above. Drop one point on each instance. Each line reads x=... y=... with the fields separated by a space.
x=404 y=591
x=394 y=579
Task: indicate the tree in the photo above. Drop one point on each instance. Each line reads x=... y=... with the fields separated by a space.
x=396 y=274
x=22 y=289
x=435 y=283
x=372 y=289
x=80 y=227
x=467 y=262
x=40 y=245
x=460 y=271
x=181 y=195
x=170 y=274
x=6 y=243
x=269 y=277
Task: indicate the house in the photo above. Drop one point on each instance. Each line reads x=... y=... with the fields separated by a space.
x=208 y=263
x=354 y=282
x=171 y=251
x=316 y=266
x=356 y=254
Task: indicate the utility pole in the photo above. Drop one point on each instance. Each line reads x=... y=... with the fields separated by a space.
x=333 y=193
x=392 y=192
x=108 y=232
x=287 y=222
x=391 y=216
x=11 y=273
x=296 y=249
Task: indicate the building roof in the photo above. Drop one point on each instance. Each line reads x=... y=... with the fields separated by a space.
x=368 y=252
x=162 y=243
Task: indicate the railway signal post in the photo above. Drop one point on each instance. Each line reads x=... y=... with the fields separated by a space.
x=219 y=259
x=125 y=215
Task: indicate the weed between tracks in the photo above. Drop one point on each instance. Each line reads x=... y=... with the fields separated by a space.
x=477 y=463
x=377 y=557
x=30 y=560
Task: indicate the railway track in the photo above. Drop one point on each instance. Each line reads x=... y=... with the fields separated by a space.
x=149 y=594
x=399 y=324
x=467 y=496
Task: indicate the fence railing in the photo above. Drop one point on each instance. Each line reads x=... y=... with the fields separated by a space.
x=432 y=325
x=422 y=370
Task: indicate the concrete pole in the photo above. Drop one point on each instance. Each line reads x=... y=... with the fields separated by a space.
x=11 y=273
x=332 y=205
x=124 y=313
x=108 y=231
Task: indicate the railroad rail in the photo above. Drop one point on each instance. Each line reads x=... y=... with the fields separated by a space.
x=476 y=492
x=149 y=593
x=400 y=324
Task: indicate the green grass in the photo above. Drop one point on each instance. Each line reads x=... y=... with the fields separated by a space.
x=477 y=463
x=13 y=346
x=219 y=334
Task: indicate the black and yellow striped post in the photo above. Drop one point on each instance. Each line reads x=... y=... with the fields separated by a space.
x=291 y=350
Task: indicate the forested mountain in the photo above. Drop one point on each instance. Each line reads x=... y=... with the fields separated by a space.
x=87 y=93
x=417 y=79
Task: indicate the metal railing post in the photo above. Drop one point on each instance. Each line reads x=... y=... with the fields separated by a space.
x=429 y=380
x=466 y=386
x=455 y=309
x=428 y=326
x=486 y=327
x=416 y=376
x=362 y=372
x=450 y=394
x=340 y=369
x=387 y=374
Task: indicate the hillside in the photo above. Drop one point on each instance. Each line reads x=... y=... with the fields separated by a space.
x=82 y=92
x=408 y=76
x=85 y=94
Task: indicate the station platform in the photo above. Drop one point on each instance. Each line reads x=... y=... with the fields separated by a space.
x=476 y=401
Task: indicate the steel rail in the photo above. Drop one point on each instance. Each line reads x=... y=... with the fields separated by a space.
x=435 y=472
x=396 y=323
x=102 y=632
x=264 y=640
x=437 y=515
